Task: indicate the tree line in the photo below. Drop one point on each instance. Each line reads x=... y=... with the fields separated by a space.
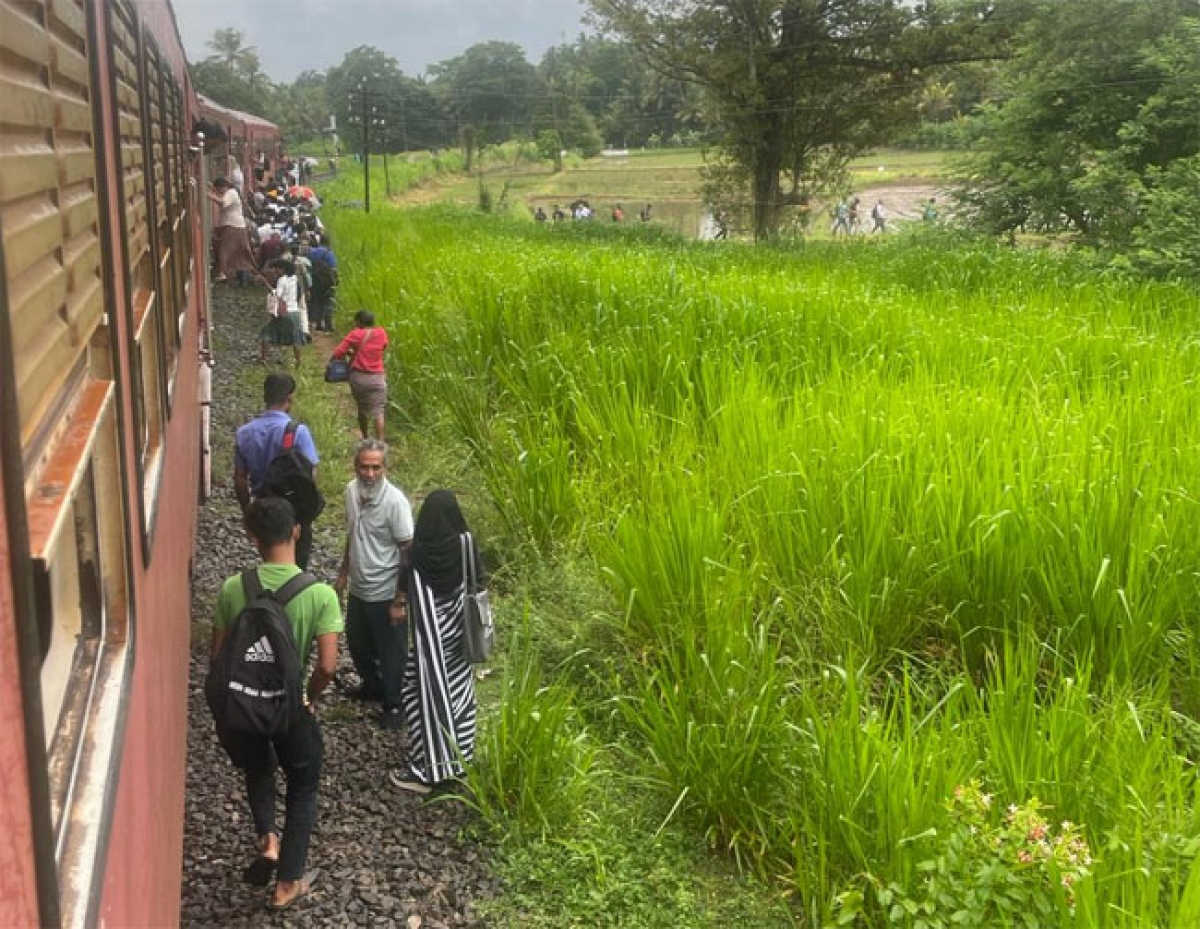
x=1080 y=118
x=589 y=93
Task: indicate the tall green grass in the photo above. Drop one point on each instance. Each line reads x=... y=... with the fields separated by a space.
x=402 y=172
x=878 y=518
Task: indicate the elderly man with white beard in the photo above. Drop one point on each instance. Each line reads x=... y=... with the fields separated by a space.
x=379 y=528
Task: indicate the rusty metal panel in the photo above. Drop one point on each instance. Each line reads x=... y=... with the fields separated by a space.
x=48 y=211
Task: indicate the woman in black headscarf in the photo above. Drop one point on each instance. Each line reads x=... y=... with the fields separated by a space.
x=439 y=686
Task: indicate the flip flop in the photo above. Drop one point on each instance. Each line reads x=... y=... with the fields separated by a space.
x=306 y=886
x=260 y=871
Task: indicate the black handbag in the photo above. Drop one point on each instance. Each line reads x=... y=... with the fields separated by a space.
x=337 y=371
x=480 y=636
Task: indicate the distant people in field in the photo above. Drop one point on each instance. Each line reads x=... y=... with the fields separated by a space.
x=644 y=213
x=558 y=215
x=539 y=215
x=439 y=681
x=274 y=724
x=853 y=216
x=234 y=257
x=379 y=529
x=364 y=345
x=930 y=212
x=721 y=221
x=841 y=218
x=879 y=217
x=618 y=214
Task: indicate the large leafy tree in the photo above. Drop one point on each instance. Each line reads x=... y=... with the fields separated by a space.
x=402 y=111
x=564 y=112
x=490 y=90
x=301 y=109
x=629 y=101
x=799 y=86
x=1099 y=129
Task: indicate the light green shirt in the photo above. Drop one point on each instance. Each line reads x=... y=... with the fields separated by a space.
x=313 y=612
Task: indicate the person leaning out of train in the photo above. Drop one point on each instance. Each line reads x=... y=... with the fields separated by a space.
x=234 y=257
x=315 y=616
x=256 y=444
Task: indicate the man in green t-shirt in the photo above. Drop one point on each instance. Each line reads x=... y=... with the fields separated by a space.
x=315 y=615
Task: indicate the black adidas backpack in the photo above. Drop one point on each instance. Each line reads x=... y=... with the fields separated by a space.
x=289 y=475
x=253 y=685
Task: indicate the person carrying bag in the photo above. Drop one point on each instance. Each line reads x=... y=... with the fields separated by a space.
x=364 y=347
x=479 y=628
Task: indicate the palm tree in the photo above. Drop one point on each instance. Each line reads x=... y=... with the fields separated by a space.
x=238 y=58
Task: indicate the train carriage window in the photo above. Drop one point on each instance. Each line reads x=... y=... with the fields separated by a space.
x=134 y=66
x=180 y=216
x=79 y=569
x=156 y=113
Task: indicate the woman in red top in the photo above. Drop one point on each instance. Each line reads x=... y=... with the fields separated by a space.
x=365 y=345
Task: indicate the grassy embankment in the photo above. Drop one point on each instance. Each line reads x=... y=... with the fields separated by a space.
x=622 y=869
x=805 y=542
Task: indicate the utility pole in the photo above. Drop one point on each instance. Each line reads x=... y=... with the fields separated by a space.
x=387 y=178
x=366 y=121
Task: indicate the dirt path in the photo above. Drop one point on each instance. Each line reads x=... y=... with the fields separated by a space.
x=382 y=857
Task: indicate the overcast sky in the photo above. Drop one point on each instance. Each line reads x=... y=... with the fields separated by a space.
x=302 y=35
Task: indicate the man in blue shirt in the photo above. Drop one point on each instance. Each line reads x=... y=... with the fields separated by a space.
x=325 y=281
x=323 y=253
x=260 y=440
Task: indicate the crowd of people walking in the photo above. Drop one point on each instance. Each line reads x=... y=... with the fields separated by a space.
x=274 y=238
x=403 y=581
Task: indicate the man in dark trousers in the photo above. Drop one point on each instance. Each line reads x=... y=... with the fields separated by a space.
x=260 y=440
x=379 y=529
x=314 y=615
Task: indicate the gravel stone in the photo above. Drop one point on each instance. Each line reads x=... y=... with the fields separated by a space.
x=380 y=857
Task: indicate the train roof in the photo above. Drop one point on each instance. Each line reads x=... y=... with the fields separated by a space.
x=211 y=108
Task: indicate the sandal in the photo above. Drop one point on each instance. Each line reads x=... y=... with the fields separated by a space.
x=306 y=886
x=260 y=871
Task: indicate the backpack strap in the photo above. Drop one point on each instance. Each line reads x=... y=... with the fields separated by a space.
x=289 y=435
x=251 y=586
x=298 y=584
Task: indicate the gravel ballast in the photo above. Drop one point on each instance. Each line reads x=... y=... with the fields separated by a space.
x=380 y=857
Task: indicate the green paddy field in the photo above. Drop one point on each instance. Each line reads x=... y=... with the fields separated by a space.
x=854 y=584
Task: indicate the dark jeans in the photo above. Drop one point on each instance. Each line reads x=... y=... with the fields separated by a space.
x=320 y=311
x=379 y=649
x=304 y=546
x=298 y=751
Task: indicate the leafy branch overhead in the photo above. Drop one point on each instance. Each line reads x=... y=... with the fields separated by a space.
x=797 y=85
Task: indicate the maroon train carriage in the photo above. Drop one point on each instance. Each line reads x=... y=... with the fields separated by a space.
x=103 y=373
x=244 y=137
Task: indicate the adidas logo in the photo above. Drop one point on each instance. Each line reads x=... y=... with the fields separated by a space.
x=261 y=651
